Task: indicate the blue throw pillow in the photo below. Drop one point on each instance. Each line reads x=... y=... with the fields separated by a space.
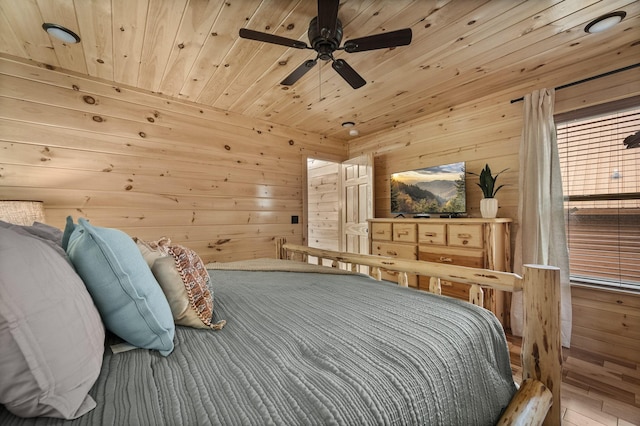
x=127 y=295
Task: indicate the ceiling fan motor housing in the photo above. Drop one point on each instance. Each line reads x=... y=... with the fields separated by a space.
x=324 y=44
x=325 y=35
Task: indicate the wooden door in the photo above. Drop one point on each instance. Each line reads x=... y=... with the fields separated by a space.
x=357 y=203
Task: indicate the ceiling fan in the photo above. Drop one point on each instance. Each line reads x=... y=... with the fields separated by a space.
x=325 y=36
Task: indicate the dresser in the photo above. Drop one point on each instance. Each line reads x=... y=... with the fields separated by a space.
x=473 y=242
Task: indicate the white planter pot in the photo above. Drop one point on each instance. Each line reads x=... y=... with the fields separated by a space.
x=489 y=207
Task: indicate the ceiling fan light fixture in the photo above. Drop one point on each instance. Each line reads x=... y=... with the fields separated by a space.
x=604 y=22
x=352 y=130
x=61 y=33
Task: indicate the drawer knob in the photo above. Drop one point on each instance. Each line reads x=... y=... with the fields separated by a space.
x=403 y=232
x=445 y=259
x=392 y=253
x=380 y=232
x=464 y=236
x=429 y=234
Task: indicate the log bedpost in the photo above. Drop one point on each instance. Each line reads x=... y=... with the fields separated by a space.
x=403 y=279
x=280 y=254
x=529 y=405
x=476 y=295
x=376 y=273
x=435 y=285
x=541 y=347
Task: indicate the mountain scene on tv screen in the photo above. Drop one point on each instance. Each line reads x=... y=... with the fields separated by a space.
x=428 y=196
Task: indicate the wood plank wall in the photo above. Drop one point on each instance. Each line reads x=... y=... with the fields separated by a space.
x=488 y=131
x=485 y=132
x=606 y=322
x=219 y=183
x=153 y=166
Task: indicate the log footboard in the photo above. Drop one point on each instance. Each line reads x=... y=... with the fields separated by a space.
x=538 y=399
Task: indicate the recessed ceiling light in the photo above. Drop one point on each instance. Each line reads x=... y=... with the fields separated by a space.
x=605 y=22
x=348 y=124
x=61 y=33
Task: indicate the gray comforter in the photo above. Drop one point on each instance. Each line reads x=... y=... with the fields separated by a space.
x=302 y=349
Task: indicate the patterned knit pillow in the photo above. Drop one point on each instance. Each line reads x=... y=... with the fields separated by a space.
x=184 y=278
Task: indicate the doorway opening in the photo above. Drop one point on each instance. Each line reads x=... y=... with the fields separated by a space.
x=338 y=203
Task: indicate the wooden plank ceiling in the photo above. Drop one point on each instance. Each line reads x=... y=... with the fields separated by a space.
x=190 y=50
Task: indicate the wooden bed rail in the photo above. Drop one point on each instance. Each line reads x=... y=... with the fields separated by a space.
x=495 y=279
x=541 y=348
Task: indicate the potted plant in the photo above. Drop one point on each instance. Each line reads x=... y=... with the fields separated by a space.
x=487 y=182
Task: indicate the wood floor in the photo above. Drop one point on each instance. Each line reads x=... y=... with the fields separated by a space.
x=596 y=390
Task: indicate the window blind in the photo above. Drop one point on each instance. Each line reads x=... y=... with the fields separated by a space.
x=601 y=184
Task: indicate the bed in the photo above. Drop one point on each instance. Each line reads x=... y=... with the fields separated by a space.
x=309 y=344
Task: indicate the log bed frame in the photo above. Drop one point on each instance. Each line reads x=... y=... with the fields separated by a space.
x=538 y=399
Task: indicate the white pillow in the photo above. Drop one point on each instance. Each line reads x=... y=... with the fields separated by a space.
x=51 y=335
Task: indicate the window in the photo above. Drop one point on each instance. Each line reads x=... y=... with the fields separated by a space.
x=601 y=184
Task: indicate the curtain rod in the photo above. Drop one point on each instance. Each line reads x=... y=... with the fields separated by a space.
x=595 y=77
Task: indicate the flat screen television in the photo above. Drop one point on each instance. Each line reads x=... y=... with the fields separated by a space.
x=432 y=190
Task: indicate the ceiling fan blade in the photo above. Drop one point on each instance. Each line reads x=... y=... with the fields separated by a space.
x=299 y=72
x=348 y=73
x=379 y=41
x=327 y=17
x=271 y=38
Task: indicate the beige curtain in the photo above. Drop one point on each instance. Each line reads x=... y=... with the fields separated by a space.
x=541 y=237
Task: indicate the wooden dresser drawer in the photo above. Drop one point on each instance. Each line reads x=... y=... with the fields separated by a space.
x=381 y=231
x=432 y=233
x=457 y=290
x=473 y=258
x=404 y=232
x=392 y=276
x=448 y=288
x=402 y=251
x=463 y=235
